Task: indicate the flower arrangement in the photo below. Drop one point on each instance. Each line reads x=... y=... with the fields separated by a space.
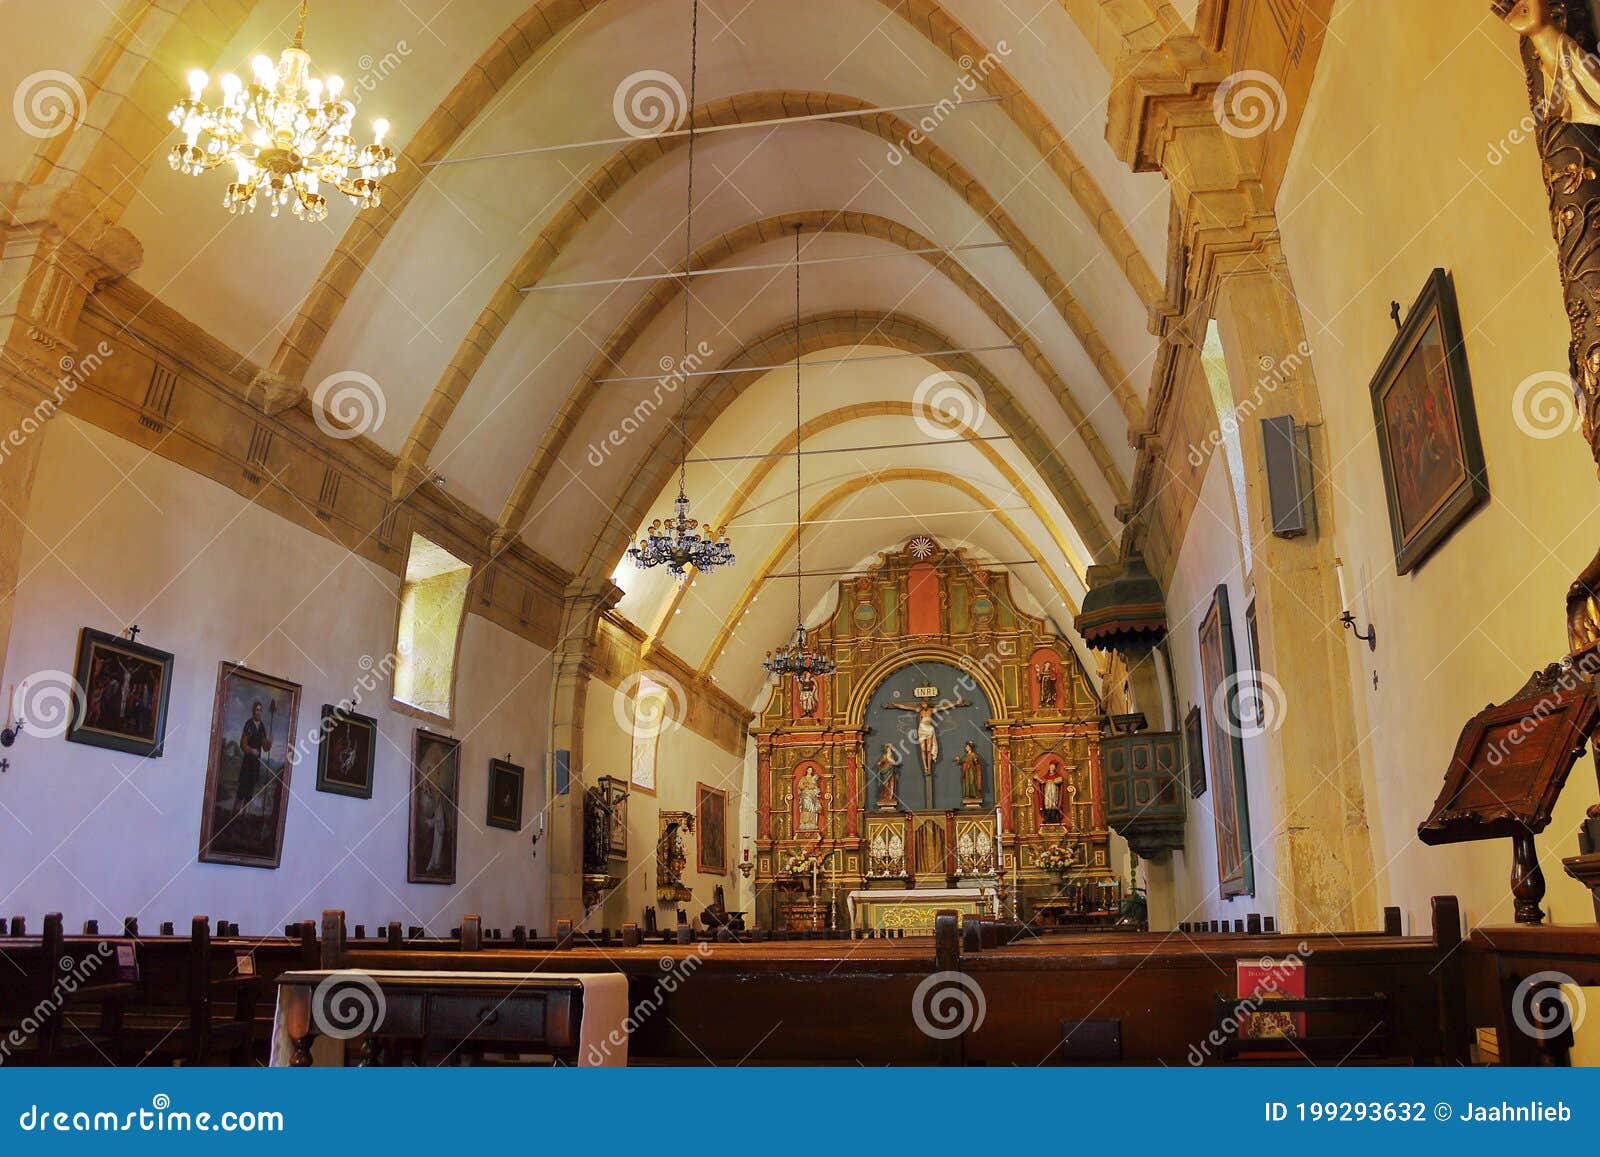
x=801 y=864
x=1055 y=858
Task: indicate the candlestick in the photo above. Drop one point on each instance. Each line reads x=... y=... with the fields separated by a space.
x=1344 y=597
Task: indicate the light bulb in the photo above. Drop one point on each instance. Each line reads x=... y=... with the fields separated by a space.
x=197 y=83
x=262 y=66
x=231 y=85
x=335 y=87
x=380 y=129
x=314 y=90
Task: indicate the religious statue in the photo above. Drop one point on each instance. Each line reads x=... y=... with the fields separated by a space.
x=888 y=766
x=1048 y=784
x=1048 y=690
x=971 y=775
x=808 y=789
x=927 y=733
x=1563 y=75
x=808 y=695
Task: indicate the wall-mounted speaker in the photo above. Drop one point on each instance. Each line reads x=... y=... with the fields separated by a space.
x=1288 y=454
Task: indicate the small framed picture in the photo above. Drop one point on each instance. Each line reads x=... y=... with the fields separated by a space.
x=125 y=689
x=435 y=794
x=1194 y=751
x=345 y=754
x=505 y=795
x=247 y=776
x=1433 y=469
x=711 y=815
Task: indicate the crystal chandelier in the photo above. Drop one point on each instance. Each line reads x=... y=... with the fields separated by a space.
x=797 y=658
x=678 y=542
x=286 y=135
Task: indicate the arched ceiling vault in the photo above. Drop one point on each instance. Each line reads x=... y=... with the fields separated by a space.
x=780 y=455
x=547 y=22
x=726 y=248
x=831 y=330
x=833 y=499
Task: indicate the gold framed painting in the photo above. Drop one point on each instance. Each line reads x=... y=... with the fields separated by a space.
x=253 y=721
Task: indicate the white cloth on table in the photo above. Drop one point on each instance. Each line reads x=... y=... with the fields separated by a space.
x=602 y=1029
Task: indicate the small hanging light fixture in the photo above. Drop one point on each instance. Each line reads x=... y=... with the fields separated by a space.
x=798 y=658
x=677 y=542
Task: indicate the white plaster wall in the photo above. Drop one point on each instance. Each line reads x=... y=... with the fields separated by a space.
x=119 y=536
x=1211 y=555
x=683 y=759
x=1412 y=107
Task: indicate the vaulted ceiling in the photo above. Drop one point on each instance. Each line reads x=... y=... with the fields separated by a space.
x=495 y=388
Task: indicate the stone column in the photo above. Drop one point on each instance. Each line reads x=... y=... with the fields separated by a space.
x=1230 y=266
x=584 y=602
x=1324 y=852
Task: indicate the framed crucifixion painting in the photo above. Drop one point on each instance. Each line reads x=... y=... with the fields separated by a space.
x=1225 y=745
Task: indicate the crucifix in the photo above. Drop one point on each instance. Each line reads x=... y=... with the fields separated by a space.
x=133 y=633
x=927 y=733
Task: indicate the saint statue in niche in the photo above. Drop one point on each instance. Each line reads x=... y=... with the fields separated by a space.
x=808 y=790
x=888 y=766
x=1047 y=785
x=971 y=775
x=808 y=695
x=1048 y=688
x=927 y=732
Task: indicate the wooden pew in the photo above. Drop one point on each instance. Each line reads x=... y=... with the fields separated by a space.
x=760 y=1002
x=56 y=975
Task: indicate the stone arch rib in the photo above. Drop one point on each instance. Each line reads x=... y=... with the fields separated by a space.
x=544 y=23
x=729 y=245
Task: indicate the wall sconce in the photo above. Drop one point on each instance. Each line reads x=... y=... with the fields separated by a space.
x=745 y=866
x=1346 y=618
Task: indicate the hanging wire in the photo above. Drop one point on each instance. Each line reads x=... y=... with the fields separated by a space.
x=799 y=620
x=688 y=252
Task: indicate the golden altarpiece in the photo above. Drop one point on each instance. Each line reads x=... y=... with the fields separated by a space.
x=879 y=788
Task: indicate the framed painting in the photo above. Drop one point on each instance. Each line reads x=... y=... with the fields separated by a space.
x=505 y=795
x=125 y=689
x=1433 y=470
x=1230 y=806
x=435 y=820
x=711 y=817
x=1194 y=749
x=253 y=722
x=346 y=754
x=615 y=794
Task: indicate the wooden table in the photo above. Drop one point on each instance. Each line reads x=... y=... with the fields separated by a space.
x=453 y=1016
x=1527 y=963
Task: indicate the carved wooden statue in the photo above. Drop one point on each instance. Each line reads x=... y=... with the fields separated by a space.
x=1563 y=73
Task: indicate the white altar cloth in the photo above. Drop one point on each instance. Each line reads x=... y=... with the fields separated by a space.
x=602 y=1026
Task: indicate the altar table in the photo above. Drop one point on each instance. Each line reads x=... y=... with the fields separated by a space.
x=913 y=909
x=580 y=1016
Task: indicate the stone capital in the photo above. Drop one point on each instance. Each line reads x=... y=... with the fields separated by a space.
x=273 y=394
x=1155 y=93
x=57 y=251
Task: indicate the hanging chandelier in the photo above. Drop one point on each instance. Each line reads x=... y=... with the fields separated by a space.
x=798 y=658
x=287 y=135
x=679 y=542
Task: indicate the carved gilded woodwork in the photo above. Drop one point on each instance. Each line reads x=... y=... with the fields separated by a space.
x=926 y=606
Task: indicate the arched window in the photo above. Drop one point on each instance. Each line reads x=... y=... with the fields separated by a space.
x=433 y=600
